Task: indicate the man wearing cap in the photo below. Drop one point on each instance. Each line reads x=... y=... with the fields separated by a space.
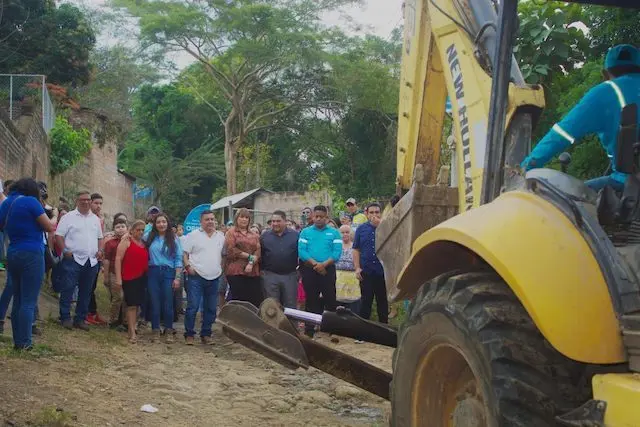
x=152 y=213
x=598 y=112
x=356 y=215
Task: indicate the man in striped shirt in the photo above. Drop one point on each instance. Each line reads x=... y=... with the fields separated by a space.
x=598 y=112
x=319 y=247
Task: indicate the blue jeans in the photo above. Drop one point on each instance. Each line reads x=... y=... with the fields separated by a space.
x=57 y=277
x=27 y=271
x=5 y=299
x=201 y=291
x=2 y=257
x=75 y=274
x=598 y=184
x=160 y=288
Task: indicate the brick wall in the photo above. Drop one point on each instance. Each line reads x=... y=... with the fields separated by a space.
x=24 y=147
x=98 y=172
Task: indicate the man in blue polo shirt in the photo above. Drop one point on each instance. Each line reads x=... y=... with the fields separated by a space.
x=319 y=247
x=368 y=267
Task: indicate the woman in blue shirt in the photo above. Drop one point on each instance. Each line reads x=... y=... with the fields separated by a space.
x=165 y=269
x=23 y=220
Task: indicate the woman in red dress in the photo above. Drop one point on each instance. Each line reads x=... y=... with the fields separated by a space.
x=131 y=265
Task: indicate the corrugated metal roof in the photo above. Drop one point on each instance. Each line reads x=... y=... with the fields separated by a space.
x=235 y=198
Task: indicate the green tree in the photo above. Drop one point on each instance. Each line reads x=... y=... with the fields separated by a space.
x=547 y=42
x=263 y=57
x=39 y=38
x=358 y=134
x=68 y=145
x=173 y=179
x=609 y=26
x=169 y=119
x=116 y=76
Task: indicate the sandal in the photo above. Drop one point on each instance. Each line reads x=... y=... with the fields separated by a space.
x=133 y=340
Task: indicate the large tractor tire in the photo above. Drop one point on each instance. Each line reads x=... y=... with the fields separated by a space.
x=469 y=355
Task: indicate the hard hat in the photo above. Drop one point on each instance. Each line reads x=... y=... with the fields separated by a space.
x=622 y=54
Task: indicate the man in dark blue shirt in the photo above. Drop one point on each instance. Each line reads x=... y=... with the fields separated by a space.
x=279 y=261
x=368 y=267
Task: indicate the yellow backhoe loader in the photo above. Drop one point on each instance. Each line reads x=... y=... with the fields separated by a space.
x=525 y=290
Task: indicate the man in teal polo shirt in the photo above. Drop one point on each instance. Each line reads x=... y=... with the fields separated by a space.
x=319 y=247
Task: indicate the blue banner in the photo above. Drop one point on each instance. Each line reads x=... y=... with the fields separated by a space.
x=192 y=221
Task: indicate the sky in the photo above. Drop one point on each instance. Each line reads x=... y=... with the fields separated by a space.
x=377 y=17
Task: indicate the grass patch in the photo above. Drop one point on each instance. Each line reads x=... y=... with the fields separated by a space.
x=103 y=298
x=38 y=351
x=53 y=417
x=106 y=336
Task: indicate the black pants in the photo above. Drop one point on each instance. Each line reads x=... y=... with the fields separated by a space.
x=246 y=288
x=374 y=285
x=315 y=284
x=93 y=305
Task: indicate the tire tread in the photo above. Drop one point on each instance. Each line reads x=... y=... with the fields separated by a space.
x=532 y=382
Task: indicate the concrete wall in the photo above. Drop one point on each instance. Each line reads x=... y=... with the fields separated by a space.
x=24 y=147
x=291 y=203
x=97 y=172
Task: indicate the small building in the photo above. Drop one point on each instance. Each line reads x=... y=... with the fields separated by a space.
x=230 y=204
x=261 y=203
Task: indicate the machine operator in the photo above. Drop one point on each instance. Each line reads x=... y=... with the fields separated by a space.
x=598 y=112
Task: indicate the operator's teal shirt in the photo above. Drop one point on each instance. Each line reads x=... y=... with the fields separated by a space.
x=319 y=244
x=598 y=112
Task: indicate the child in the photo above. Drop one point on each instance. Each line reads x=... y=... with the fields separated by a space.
x=117 y=309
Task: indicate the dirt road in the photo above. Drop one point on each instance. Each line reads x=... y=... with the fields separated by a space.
x=98 y=379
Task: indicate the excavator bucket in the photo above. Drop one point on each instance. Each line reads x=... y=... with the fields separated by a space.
x=241 y=323
x=423 y=207
x=269 y=332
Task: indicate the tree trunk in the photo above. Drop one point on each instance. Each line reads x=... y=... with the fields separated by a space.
x=230 y=157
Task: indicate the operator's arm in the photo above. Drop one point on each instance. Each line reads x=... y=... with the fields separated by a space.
x=588 y=117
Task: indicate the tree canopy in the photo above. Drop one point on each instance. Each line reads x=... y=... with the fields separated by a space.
x=36 y=37
x=263 y=58
x=272 y=98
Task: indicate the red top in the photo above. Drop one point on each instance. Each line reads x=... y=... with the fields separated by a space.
x=135 y=262
x=110 y=249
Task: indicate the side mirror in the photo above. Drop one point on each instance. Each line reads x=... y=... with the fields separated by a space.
x=565 y=159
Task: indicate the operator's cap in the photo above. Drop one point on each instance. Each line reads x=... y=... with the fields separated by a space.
x=622 y=54
x=350 y=200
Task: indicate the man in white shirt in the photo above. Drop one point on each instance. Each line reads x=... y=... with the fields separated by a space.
x=79 y=234
x=202 y=259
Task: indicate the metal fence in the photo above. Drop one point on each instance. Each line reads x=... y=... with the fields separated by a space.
x=22 y=94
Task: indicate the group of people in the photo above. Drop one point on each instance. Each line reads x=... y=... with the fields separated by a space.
x=146 y=264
